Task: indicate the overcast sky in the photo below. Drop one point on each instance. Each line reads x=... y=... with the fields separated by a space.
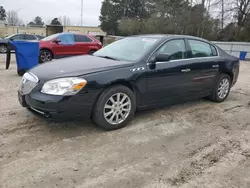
x=49 y=9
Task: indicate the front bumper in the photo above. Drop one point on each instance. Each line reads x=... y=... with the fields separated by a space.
x=62 y=107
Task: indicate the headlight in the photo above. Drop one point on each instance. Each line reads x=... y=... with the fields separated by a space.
x=64 y=86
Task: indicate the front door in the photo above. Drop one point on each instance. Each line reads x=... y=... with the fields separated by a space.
x=66 y=46
x=171 y=80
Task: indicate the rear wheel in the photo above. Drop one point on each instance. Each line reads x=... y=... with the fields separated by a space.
x=91 y=52
x=114 y=108
x=45 y=55
x=221 y=89
x=3 y=48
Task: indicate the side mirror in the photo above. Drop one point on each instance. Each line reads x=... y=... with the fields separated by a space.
x=57 y=41
x=161 y=57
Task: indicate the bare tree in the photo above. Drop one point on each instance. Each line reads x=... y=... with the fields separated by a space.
x=243 y=9
x=13 y=18
x=222 y=14
x=65 y=20
x=207 y=5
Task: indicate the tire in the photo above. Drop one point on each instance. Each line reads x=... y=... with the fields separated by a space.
x=104 y=103
x=3 y=48
x=216 y=96
x=91 y=52
x=8 y=59
x=21 y=72
x=45 y=56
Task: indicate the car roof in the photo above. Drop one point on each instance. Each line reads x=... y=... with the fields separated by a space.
x=168 y=36
x=74 y=33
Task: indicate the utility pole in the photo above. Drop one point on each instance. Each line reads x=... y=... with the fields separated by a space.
x=222 y=14
x=81 y=10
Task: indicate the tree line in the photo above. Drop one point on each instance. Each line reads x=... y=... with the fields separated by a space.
x=11 y=17
x=227 y=20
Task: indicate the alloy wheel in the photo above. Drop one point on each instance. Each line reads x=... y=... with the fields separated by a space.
x=223 y=88
x=3 y=49
x=45 y=56
x=117 y=108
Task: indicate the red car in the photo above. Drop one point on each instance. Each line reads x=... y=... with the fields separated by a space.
x=67 y=44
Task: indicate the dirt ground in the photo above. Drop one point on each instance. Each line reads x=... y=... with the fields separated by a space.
x=196 y=144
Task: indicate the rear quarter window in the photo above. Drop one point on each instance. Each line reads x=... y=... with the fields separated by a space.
x=82 y=38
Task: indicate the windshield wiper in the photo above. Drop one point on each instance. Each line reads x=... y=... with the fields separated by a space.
x=108 y=57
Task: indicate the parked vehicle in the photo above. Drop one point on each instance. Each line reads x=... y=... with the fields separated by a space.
x=17 y=37
x=67 y=44
x=137 y=72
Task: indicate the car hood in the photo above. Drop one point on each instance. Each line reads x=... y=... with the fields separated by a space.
x=76 y=66
x=4 y=40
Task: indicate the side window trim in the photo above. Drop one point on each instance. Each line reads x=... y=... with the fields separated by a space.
x=188 y=58
x=75 y=37
x=188 y=50
x=163 y=43
x=211 y=45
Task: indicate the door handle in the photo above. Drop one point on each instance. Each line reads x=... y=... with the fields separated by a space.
x=216 y=66
x=185 y=70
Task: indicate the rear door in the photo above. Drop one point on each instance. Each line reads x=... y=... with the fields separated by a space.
x=66 y=46
x=204 y=66
x=83 y=44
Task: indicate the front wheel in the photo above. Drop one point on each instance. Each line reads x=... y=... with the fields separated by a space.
x=45 y=55
x=91 y=52
x=3 y=48
x=21 y=72
x=114 y=108
x=221 y=89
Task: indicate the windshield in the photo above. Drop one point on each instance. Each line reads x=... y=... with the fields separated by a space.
x=51 y=37
x=128 y=49
x=10 y=36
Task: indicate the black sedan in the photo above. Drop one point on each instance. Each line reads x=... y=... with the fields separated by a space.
x=134 y=73
x=17 y=37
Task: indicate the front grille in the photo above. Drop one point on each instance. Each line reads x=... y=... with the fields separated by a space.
x=28 y=83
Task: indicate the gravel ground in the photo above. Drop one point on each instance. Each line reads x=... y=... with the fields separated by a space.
x=196 y=144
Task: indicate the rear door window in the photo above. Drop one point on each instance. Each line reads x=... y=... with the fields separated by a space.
x=82 y=38
x=30 y=37
x=200 y=49
x=66 y=39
